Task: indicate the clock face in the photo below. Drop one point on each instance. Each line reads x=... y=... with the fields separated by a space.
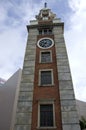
x=45 y=43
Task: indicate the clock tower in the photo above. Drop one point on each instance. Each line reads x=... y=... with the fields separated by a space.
x=46 y=97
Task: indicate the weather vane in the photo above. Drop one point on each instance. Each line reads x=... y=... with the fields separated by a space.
x=45 y=5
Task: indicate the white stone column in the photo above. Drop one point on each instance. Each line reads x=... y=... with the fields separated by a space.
x=69 y=115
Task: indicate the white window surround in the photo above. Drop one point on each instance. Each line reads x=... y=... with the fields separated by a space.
x=46 y=101
x=50 y=56
x=39 y=83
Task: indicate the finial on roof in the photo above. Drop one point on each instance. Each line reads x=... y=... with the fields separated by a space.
x=45 y=5
x=45 y=14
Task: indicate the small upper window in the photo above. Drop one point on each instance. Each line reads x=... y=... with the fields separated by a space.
x=40 y=32
x=45 y=31
x=45 y=57
x=50 y=31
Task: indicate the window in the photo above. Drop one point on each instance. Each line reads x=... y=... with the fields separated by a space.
x=46 y=115
x=50 y=31
x=45 y=31
x=40 y=32
x=45 y=57
x=46 y=77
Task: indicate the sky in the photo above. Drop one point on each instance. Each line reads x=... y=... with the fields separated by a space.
x=16 y=14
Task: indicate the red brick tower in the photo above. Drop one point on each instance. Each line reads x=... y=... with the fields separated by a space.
x=46 y=97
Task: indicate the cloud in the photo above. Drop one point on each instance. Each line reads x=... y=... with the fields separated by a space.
x=11 y=51
x=14 y=16
x=76 y=44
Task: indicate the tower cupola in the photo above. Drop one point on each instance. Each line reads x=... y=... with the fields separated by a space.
x=45 y=14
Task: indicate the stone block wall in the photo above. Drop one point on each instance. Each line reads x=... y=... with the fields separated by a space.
x=24 y=106
x=69 y=115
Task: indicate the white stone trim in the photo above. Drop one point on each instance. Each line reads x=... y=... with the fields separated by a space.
x=57 y=20
x=33 y=22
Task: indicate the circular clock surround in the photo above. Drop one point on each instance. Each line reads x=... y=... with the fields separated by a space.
x=45 y=43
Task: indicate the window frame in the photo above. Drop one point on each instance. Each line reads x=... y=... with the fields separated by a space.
x=46 y=102
x=51 y=77
x=40 y=60
x=49 y=31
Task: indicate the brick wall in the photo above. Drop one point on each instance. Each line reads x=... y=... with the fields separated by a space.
x=46 y=92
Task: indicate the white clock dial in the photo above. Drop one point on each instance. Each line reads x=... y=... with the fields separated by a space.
x=45 y=43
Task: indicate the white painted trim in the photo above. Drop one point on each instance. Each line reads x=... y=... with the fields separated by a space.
x=33 y=22
x=45 y=38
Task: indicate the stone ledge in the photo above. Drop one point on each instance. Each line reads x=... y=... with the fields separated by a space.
x=60 y=45
x=65 y=84
x=67 y=94
x=62 y=62
x=23 y=118
x=29 y=57
x=24 y=107
x=70 y=117
x=64 y=76
x=28 y=71
x=22 y=127
x=26 y=87
x=68 y=108
x=30 y=52
x=68 y=102
x=71 y=127
x=61 y=50
x=63 y=68
x=25 y=95
x=29 y=78
x=29 y=63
